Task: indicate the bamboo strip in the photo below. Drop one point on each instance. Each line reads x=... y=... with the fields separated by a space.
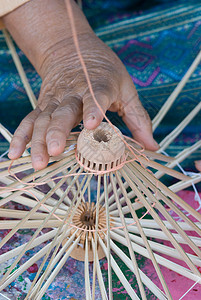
x=57 y=269
x=18 y=161
x=150 y=154
x=144 y=238
x=155 y=215
x=150 y=284
x=96 y=235
x=17 y=185
x=185 y=184
x=35 y=234
x=42 y=225
x=170 y=137
x=108 y=238
x=39 y=240
x=20 y=69
x=120 y=274
x=29 y=214
x=153 y=233
x=166 y=214
x=160 y=195
x=132 y=255
x=28 y=224
x=158 y=247
x=8 y=136
x=160 y=167
x=150 y=223
x=126 y=210
x=33 y=293
x=99 y=275
x=179 y=158
x=166 y=191
x=160 y=259
x=24 y=267
x=18 y=214
x=166 y=106
x=67 y=219
x=86 y=271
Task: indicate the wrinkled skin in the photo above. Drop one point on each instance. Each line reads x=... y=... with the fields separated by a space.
x=44 y=34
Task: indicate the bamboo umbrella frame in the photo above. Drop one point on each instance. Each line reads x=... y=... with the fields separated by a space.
x=88 y=229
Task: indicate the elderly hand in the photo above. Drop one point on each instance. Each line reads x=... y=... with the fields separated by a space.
x=64 y=97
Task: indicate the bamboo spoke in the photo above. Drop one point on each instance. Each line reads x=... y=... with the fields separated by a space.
x=164 y=109
x=120 y=274
x=99 y=275
x=149 y=283
x=156 y=217
x=146 y=242
x=86 y=271
x=170 y=137
x=108 y=238
x=132 y=255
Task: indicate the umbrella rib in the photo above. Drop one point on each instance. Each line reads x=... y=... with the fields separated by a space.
x=133 y=185
x=108 y=237
x=120 y=274
x=86 y=271
x=132 y=255
x=144 y=238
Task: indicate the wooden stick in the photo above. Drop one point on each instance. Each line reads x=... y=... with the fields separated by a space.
x=166 y=106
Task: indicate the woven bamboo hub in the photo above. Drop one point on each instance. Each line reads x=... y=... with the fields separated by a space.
x=85 y=219
x=101 y=149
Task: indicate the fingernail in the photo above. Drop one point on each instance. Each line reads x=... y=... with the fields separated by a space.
x=53 y=145
x=90 y=118
x=11 y=151
x=156 y=144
